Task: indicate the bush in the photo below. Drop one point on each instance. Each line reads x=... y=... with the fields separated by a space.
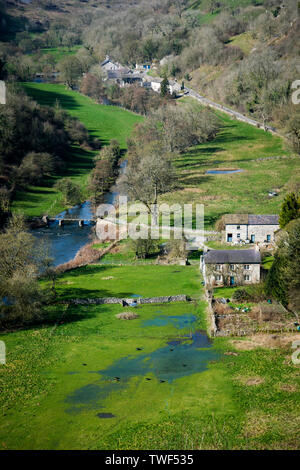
x=241 y=295
x=71 y=191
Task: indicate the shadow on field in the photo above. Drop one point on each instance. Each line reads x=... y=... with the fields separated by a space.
x=82 y=293
x=49 y=98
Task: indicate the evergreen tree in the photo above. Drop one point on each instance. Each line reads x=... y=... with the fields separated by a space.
x=289 y=210
x=276 y=282
x=164 y=90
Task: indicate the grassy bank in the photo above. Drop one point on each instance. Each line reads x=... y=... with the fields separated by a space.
x=59 y=53
x=59 y=390
x=103 y=122
x=237 y=146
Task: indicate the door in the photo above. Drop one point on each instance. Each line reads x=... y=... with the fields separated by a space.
x=229 y=237
x=252 y=238
x=232 y=280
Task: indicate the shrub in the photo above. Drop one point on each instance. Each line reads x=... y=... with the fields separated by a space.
x=241 y=295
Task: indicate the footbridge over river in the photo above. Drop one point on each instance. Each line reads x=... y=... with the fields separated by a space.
x=62 y=220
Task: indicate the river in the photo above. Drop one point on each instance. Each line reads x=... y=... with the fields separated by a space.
x=64 y=242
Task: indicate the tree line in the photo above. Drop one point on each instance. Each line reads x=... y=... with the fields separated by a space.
x=35 y=143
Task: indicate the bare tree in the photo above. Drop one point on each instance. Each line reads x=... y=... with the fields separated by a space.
x=147 y=178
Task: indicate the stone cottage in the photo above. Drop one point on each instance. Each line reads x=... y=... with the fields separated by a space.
x=231 y=267
x=108 y=64
x=250 y=228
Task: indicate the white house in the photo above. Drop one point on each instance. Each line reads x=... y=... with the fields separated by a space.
x=250 y=228
x=174 y=87
x=231 y=267
x=156 y=83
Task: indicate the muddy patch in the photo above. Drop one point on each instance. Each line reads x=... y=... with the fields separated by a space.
x=251 y=381
x=265 y=341
x=288 y=388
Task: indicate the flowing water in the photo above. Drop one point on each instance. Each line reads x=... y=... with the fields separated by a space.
x=64 y=242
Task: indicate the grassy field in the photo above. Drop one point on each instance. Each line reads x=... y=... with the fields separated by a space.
x=237 y=146
x=174 y=390
x=105 y=281
x=103 y=122
x=59 y=52
x=244 y=41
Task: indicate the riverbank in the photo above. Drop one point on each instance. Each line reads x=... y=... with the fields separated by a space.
x=103 y=122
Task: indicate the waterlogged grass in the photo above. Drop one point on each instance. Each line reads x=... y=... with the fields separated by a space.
x=237 y=146
x=103 y=122
x=59 y=378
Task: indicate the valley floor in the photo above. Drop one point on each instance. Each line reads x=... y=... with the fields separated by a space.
x=87 y=380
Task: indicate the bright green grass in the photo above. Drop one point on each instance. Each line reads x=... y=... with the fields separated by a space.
x=156 y=281
x=211 y=409
x=235 y=147
x=267 y=262
x=103 y=122
x=226 y=292
x=59 y=52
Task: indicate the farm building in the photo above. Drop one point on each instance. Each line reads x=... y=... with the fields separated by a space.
x=250 y=228
x=108 y=64
x=231 y=267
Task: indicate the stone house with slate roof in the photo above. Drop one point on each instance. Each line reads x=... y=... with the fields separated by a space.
x=250 y=228
x=108 y=64
x=231 y=267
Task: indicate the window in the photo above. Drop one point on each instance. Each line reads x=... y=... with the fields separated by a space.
x=232 y=267
x=247 y=277
x=218 y=267
x=218 y=277
x=238 y=227
x=246 y=266
x=268 y=238
x=238 y=235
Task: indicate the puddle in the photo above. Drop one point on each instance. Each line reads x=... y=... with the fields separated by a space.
x=91 y=396
x=105 y=415
x=181 y=357
x=222 y=172
x=179 y=321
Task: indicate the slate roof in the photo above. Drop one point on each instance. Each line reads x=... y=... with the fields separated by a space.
x=263 y=219
x=251 y=219
x=251 y=256
x=232 y=219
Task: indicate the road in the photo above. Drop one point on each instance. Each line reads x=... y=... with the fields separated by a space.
x=219 y=107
